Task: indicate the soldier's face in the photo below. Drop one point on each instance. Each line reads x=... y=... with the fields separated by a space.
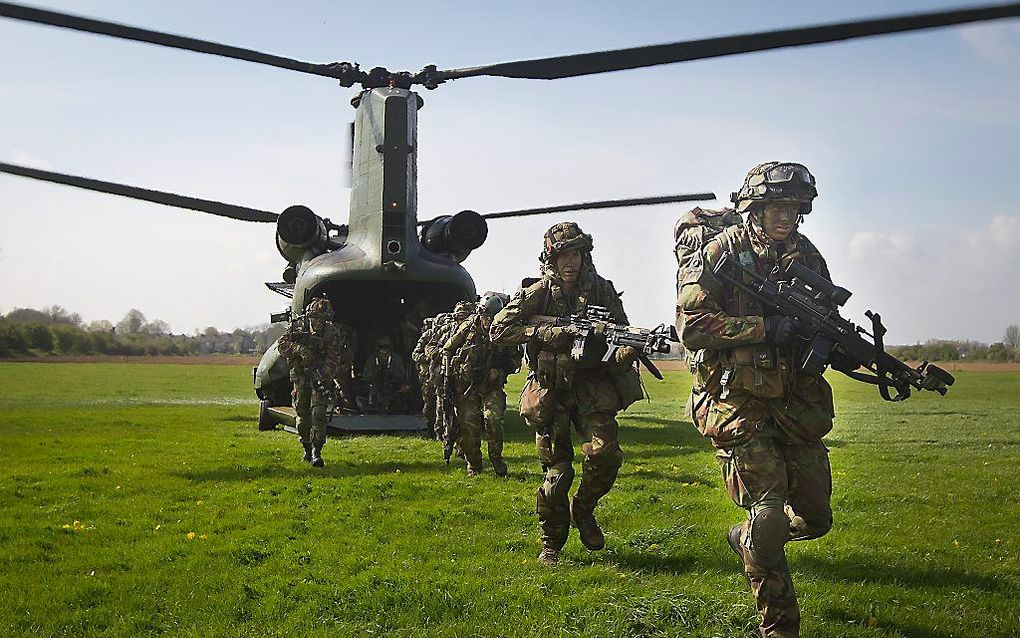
x=779 y=219
x=568 y=266
x=317 y=324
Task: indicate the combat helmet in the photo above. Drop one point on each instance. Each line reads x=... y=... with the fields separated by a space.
x=776 y=182
x=464 y=308
x=491 y=303
x=320 y=307
x=562 y=237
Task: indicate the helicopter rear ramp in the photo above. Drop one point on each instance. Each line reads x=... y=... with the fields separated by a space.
x=348 y=423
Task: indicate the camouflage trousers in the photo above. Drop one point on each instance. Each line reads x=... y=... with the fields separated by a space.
x=785 y=486
x=493 y=410
x=428 y=397
x=554 y=414
x=311 y=413
x=468 y=412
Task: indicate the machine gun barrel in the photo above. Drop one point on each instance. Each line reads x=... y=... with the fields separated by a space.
x=814 y=302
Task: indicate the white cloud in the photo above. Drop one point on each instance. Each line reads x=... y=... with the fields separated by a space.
x=998 y=43
x=31 y=161
x=939 y=282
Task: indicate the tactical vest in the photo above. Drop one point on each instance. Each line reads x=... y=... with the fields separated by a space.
x=761 y=369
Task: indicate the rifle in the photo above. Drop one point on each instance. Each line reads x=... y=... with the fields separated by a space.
x=327 y=387
x=813 y=302
x=597 y=321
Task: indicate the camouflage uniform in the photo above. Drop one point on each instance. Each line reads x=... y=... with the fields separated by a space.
x=560 y=395
x=386 y=376
x=763 y=416
x=505 y=361
x=313 y=341
x=469 y=352
x=422 y=358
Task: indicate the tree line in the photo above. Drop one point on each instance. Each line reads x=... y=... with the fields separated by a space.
x=1007 y=350
x=54 y=330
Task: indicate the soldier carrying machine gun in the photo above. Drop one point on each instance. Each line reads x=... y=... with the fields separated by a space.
x=596 y=321
x=813 y=302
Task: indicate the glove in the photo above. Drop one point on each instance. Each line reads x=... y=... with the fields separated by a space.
x=626 y=355
x=555 y=336
x=780 y=330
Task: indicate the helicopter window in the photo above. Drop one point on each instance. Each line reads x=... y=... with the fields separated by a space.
x=393 y=247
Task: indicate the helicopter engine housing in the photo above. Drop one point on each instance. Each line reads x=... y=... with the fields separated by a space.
x=456 y=235
x=300 y=234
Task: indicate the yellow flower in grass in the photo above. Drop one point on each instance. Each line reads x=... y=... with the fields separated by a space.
x=191 y=536
x=199 y=503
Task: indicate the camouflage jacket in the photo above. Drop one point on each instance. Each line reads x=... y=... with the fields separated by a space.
x=331 y=349
x=470 y=351
x=388 y=371
x=725 y=330
x=603 y=388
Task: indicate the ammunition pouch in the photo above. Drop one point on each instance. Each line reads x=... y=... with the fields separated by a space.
x=627 y=381
x=538 y=405
x=555 y=370
x=755 y=370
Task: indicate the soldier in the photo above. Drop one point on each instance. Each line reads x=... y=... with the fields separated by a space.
x=470 y=354
x=764 y=417
x=560 y=393
x=505 y=360
x=422 y=357
x=386 y=376
x=313 y=342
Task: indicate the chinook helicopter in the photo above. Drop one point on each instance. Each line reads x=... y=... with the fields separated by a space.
x=383 y=267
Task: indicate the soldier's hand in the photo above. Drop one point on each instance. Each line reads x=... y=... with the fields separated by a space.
x=556 y=336
x=626 y=355
x=780 y=330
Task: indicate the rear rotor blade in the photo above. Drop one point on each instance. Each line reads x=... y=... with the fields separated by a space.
x=604 y=61
x=340 y=71
x=242 y=213
x=608 y=203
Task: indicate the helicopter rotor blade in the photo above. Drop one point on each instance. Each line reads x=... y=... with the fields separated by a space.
x=607 y=203
x=566 y=66
x=340 y=71
x=232 y=211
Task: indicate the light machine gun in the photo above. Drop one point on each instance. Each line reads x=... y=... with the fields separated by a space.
x=596 y=326
x=813 y=302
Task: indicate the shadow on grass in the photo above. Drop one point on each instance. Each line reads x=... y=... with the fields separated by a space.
x=906 y=629
x=859 y=570
x=655 y=563
x=298 y=470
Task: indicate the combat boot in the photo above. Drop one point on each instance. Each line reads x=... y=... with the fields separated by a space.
x=587 y=527
x=549 y=556
x=317 y=456
x=499 y=467
x=307 y=458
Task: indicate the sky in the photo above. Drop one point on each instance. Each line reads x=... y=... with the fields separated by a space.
x=912 y=139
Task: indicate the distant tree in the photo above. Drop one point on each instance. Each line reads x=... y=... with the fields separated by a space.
x=1012 y=337
x=59 y=314
x=27 y=315
x=100 y=325
x=40 y=337
x=211 y=331
x=156 y=328
x=131 y=323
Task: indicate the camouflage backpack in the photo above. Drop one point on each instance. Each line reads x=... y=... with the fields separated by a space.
x=692 y=231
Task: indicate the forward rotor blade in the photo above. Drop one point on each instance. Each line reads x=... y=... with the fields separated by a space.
x=609 y=203
x=604 y=61
x=242 y=213
x=113 y=29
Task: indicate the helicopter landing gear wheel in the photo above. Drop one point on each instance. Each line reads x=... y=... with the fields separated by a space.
x=266 y=422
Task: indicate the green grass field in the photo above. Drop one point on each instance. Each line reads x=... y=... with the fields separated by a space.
x=141 y=500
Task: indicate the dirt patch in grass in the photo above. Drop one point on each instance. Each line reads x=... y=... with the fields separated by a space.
x=205 y=360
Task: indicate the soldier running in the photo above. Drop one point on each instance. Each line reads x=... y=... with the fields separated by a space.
x=560 y=394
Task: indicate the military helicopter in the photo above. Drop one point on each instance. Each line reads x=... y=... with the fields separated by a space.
x=379 y=269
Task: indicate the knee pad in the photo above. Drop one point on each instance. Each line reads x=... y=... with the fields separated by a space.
x=557 y=483
x=767 y=533
x=802 y=529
